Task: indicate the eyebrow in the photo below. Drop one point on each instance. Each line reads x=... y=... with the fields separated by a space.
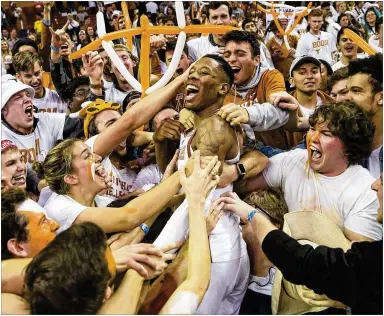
x=42 y=218
x=85 y=150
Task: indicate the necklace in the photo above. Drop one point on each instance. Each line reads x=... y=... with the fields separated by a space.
x=316 y=36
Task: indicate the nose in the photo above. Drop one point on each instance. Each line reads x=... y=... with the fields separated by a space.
x=54 y=225
x=316 y=136
x=232 y=58
x=219 y=21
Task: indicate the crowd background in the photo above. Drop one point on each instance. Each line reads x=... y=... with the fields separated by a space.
x=192 y=199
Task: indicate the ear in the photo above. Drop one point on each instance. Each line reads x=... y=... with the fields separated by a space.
x=108 y=293
x=71 y=179
x=17 y=249
x=291 y=82
x=224 y=89
x=256 y=60
x=379 y=98
x=18 y=76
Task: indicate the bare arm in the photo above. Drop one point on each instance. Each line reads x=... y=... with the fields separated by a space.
x=12 y=304
x=45 y=34
x=246 y=186
x=136 y=211
x=135 y=117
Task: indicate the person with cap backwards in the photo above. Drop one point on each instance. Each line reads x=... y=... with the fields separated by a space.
x=353 y=277
x=34 y=134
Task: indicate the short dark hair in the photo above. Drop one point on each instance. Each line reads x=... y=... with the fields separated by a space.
x=243 y=36
x=214 y=5
x=195 y=22
x=70 y=275
x=341 y=32
x=371 y=66
x=350 y=123
x=22 y=42
x=339 y=74
x=224 y=66
x=73 y=84
x=325 y=4
x=171 y=46
x=13 y=224
x=245 y=22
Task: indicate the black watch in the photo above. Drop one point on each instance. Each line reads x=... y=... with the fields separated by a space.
x=241 y=170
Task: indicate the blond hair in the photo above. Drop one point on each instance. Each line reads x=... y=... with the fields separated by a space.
x=57 y=165
x=270 y=201
x=23 y=61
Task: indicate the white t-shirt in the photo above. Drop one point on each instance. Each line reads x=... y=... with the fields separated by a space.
x=319 y=46
x=198 y=47
x=113 y=94
x=63 y=209
x=107 y=84
x=374 y=162
x=346 y=199
x=147 y=178
x=122 y=180
x=50 y=102
x=308 y=112
x=338 y=65
x=152 y=7
x=35 y=146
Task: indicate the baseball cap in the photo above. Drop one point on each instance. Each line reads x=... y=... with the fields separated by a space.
x=302 y=60
x=9 y=86
x=6 y=144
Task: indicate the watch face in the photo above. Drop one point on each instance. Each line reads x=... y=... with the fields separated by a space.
x=241 y=168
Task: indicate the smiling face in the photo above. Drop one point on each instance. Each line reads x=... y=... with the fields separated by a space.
x=41 y=231
x=5 y=33
x=362 y=93
x=339 y=90
x=13 y=170
x=18 y=112
x=325 y=151
x=205 y=83
x=103 y=120
x=239 y=57
x=34 y=78
x=66 y=48
x=378 y=187
x=183 y=63
x=82 y=35
x=348 y=48
x=90 y=31
x=307 y=78
x=88 y=171
x=371 y=17
x=4 y=46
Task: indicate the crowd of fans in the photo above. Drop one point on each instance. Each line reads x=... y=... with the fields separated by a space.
x=250 y=184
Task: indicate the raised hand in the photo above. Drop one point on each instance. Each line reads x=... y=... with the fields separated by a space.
x=284 y=100
x=58 y=37
x=233 y=203
x=93 y=64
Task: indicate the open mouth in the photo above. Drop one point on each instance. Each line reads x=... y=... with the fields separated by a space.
x=64 y=47
x=179 y=71
x=236 y=70
x=19 y=179
x=315 y=154
x=29 y=111
x=191 y=92
x=349 y=49
x=36 y=86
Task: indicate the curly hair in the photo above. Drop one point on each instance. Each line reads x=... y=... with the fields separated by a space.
x=13 y=224
x=347 y=121
x=243 y=36
x=371 y=66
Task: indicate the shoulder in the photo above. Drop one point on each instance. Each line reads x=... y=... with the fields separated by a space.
x=214 y=129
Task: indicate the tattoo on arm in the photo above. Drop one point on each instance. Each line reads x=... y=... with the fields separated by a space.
x=211 y=136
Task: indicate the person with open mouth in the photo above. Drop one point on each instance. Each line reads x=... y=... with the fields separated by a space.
x=29 y=71
x=347 y=47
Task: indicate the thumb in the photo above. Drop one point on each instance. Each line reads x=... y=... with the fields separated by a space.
x=182 y=174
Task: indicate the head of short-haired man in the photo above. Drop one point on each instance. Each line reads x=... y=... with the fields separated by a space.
x=219 y=13
x=337 y=83
x=16 y=105
x=24 y=232
x=29 y=70
x=13 y=168
x=340 y=135
x=365 y=85
x=242 y=52
x=346 y=46
x=208 y=82
x=167 y=54
x=315 y=21
x=82 y=253
x=305 y=75
x=77 y=92
x=129 y=62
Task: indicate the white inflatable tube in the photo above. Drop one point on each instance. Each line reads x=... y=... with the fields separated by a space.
x=180 y=17
x=172 y=66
